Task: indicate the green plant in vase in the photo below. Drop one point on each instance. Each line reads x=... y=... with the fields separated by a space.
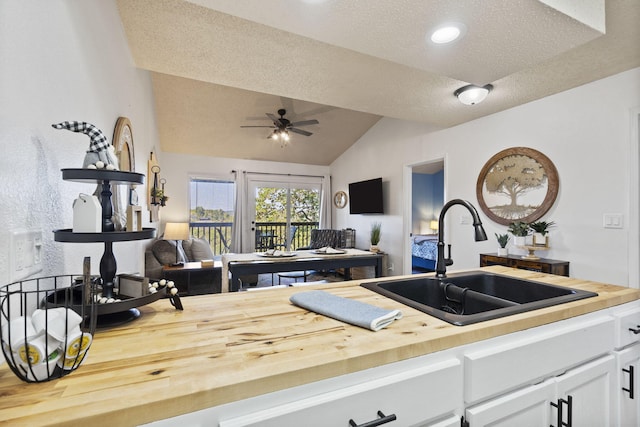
x=540 y=230
x=520 y=231
x=502 y=239
x=375 y=236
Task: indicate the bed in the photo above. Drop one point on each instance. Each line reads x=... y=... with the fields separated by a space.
x=424 y=251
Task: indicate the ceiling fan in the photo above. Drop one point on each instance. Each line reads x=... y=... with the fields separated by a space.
x=281 y=126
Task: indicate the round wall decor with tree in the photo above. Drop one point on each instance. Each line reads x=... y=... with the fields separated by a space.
x=517 y=184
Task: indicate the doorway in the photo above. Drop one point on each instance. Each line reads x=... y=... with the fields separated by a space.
x=425 y=183
x=282 y=214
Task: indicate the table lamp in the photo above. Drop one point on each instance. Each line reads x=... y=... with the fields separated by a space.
x=176 y=231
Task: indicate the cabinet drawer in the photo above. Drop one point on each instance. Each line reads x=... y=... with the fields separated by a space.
x=492 y=370
x=414 y=396
x=627 y=322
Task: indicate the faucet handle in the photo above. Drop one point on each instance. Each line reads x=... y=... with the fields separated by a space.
x=448 y=260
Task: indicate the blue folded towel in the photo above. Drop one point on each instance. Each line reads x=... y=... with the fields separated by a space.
x=347 y=310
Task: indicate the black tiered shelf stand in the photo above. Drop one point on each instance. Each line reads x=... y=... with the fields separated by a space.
x=108 y=236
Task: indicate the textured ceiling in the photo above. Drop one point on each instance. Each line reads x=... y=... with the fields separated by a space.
x=220 y=64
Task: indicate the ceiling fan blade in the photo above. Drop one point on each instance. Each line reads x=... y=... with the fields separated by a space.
x=306 y=122
x=274 y=119
x=300 y=131
x=256 y=126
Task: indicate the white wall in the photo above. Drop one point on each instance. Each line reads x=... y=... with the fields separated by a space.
x=584 y=131
x=179 y=167
x=381 y=152
x=63 y=60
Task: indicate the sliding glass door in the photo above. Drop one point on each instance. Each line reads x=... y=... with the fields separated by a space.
x=282 y=213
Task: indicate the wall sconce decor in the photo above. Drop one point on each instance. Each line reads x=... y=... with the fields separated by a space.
x=156 y=196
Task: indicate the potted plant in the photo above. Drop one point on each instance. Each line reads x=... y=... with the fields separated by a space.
x=520 y=231
x=375 y=236
x=540 y=230
x=502 y=239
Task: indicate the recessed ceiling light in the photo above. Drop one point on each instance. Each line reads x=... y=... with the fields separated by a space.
x=447 y=33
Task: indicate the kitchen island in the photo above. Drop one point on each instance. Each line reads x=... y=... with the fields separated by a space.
x=227 y=347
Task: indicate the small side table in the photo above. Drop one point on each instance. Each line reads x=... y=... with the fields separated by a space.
x=194 y=279
x=543 y=265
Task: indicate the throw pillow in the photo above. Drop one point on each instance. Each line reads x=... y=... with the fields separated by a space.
x=165 y=252
x=200 y=250
x=186 y=246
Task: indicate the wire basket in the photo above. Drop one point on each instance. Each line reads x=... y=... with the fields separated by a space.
x=47 y=325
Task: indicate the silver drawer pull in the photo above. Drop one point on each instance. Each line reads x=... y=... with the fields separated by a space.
x=382 y=420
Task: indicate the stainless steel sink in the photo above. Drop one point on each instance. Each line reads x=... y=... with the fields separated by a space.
x=471 y=297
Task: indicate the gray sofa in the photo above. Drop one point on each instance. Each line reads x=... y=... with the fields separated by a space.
x=163 y=252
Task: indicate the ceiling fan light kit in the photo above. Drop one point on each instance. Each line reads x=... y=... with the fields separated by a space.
x=281 y=126
x=472 y=94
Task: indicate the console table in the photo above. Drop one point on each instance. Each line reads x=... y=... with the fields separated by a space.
x=544 y=265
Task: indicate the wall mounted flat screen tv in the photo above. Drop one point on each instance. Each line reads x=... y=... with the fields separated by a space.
x=365 y=197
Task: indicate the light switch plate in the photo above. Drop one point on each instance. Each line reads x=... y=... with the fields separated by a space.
x=613 y=220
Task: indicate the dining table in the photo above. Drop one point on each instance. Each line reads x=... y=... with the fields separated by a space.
x=236 y=265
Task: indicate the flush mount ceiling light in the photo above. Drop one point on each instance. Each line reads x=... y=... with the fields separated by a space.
x=472 y=94
x=448 y=33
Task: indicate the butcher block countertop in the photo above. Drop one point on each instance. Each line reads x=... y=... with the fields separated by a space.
x=227 y=347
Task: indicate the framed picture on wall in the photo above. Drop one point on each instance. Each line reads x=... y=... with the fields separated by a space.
x=517 y=184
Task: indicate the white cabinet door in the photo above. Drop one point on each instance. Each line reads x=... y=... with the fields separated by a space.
x=627 y=326
x=627 y=389
x=414 y=397
x=528 y=407
x=589 y=389
x=507 y=363
x=583 y=394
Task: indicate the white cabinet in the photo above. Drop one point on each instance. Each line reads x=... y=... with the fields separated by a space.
x=409 y=398
x=627 y=391
x=627 y=325
x=510 y=362
x=580 y=397
x=585 y=395
x=529 y=407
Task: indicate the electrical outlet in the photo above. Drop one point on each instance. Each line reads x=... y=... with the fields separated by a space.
x=25 y=253
x=390 y=268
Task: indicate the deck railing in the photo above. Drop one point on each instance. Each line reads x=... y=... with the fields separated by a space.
x=268 y=234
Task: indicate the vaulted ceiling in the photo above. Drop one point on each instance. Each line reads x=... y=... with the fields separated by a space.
x=217 y=65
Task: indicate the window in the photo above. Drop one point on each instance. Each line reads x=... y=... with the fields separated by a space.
x=212 y=212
